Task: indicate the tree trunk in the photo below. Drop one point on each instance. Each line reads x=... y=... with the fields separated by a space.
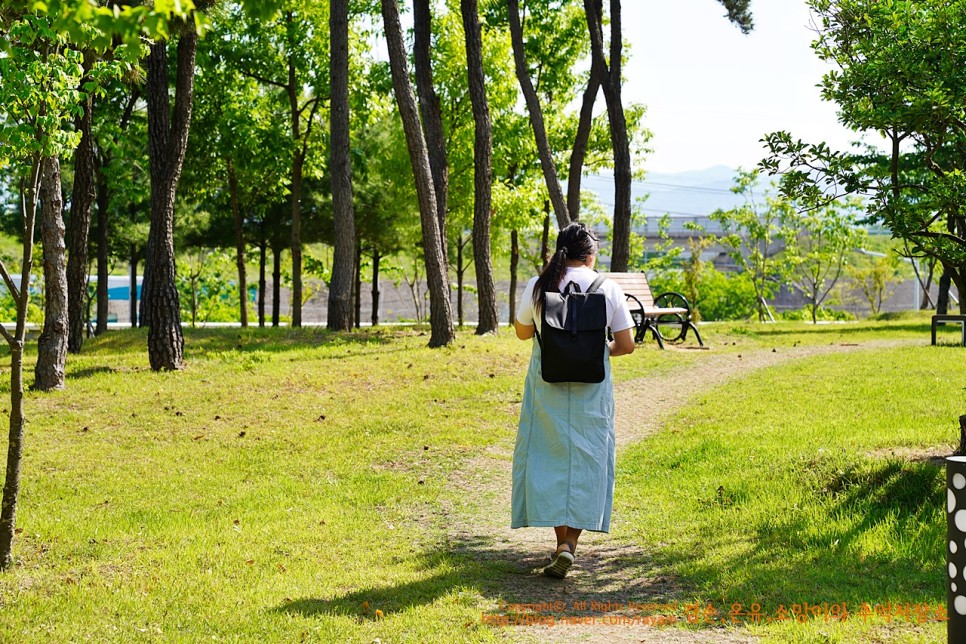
x=375 y=287
x=429 y=108
x=262 y=246
x=133 y=286
x=340 y=315
x=536 y=117
x=276 y=285
x=11 y=484
x=514 y=263
x=103 y=260
x=81 y=201
x=942 y=305
x=357 y=285
x=239 y=245
x=293 y=89
x=487 y=320
x=611 y=81
x=579 y=153
x=959 y=279
x=167 y=143
x=296 y=241
x=460 y=271
x=52 y=345
x=441 y=316
x=545 y=239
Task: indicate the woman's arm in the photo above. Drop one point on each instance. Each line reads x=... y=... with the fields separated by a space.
x=622 y=344
x=524 y=331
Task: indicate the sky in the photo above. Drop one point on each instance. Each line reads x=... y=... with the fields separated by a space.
x=711 y=92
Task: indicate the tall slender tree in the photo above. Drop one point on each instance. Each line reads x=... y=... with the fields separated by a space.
x=340 y=314
x=488 y=321
x=167 y=144
x=81 y=203
x=536 y=117
x=609 y=71
x=441 y=316
x=51 y=364
x=429 y=109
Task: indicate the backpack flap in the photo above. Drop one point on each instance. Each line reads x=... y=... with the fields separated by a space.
x=576 y=311
x=574 y=336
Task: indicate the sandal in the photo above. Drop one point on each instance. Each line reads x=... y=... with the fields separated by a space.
x=562 y=561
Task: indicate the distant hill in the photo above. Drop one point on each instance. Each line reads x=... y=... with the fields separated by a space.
x=696 y=193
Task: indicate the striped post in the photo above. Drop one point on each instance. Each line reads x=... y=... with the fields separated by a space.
x=956 y=547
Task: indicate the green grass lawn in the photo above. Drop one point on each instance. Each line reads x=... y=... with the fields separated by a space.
x=298 y=485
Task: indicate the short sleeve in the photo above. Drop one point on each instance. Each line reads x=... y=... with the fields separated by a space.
x=622 y=314
x=525 y=305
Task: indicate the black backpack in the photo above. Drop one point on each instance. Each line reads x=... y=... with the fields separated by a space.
x=574 y=333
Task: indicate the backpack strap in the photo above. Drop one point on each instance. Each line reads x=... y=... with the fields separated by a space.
x=596 y=283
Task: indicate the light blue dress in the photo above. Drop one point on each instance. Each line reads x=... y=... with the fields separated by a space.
x=563 y=463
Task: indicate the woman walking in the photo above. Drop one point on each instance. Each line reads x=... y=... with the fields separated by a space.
x=563 y=463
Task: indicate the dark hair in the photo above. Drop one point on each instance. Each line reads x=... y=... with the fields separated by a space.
x=575 y=242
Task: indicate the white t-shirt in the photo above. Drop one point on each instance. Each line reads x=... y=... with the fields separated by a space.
x=618 y=314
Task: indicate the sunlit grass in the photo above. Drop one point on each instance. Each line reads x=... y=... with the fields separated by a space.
x=298 y=484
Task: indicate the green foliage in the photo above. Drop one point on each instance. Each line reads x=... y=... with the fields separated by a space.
x=38 y=80
x=207 y=288
x=751 y=232
x=721 y=296
x=897 y=71
x=875 y=279
x=818 y=243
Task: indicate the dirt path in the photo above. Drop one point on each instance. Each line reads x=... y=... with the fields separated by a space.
x=609 y=575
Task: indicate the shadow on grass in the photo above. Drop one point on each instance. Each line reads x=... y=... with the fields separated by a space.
x=80 y=374
x=511 y=578
x=878 y=548
x=200 y=343
x=789 y=563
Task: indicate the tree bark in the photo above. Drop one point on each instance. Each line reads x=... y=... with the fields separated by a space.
x=514 y=263
x=343 y=261
x=545 y=239
x=487 y=320
x=357 y=286
x=429 y=108
x=375 y=287
x=103 y=259
x=611 y=81
x=441 y=316
x=11 y=484
x=167 y=144
x=81 y=202
x=581 y=140
x=52 y=345
x=133 y=285
x=239 y=245
x=276 y=285
x=536 y=117
x=942 y=305
x=262 y=247
x=460 y=271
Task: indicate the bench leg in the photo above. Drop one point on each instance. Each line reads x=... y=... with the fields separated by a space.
x=697 y=335
x=647 y=326
x=934 y=331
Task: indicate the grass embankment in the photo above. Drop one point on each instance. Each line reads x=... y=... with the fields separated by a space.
x=295 y=485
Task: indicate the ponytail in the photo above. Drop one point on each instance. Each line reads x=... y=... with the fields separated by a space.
x=575 y=242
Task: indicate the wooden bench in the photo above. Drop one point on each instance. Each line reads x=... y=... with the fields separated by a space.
x=942 y=319
x=669 y=311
